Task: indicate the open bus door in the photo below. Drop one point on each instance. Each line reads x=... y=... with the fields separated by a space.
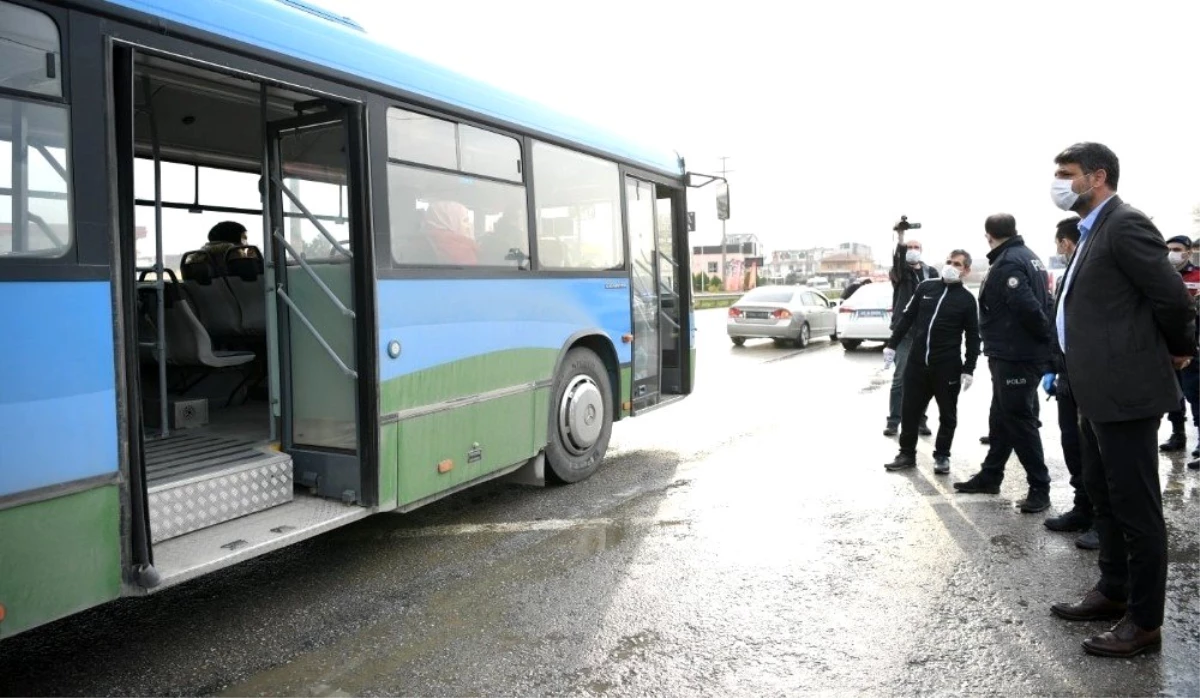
x=313 y=276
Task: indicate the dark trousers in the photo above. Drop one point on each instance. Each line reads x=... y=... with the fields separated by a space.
x=1189 y=381
x=1120 y=471
x=1068 y=426
x=940 y=382
x=1013 y=422
x=896 y=397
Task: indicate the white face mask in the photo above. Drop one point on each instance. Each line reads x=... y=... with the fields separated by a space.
x=950 y=274
x=1064 y=197
x=912 y=256
x=1179 y=259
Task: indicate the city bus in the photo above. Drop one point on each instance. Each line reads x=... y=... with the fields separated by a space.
x=262 y=275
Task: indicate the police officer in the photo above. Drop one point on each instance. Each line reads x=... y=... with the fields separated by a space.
x=1015 y=307
x=1179 y=251
x=938 y=317
x=907 y=272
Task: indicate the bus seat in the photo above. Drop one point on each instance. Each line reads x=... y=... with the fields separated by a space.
x=188 y=342
x=248 y=285
x=215 y=303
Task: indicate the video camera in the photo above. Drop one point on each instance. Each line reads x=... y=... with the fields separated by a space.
x=904 y=225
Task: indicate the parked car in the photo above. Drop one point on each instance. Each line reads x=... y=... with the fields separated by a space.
x=785 y=314
x=866 y=316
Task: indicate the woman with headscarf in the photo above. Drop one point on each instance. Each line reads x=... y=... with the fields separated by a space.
x=448 y=227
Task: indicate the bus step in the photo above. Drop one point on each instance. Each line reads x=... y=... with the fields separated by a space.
x=197 y=481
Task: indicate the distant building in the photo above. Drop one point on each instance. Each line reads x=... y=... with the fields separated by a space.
x=742 y=253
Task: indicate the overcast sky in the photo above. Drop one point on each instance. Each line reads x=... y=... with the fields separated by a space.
x=838 y=117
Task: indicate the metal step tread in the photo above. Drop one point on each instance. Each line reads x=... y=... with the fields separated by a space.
x=189 y=556
x=212 y=480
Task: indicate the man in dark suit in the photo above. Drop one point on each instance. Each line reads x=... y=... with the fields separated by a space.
x=1125 y=324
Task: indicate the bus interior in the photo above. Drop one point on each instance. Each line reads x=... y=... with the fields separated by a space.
x=243 y=407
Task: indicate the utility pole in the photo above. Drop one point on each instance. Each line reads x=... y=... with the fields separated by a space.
x=724 y=272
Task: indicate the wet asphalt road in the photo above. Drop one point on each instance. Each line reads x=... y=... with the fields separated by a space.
x=746 y=541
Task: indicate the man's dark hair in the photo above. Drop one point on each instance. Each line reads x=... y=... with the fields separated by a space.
x=227 y=231
x=1091 y=157
x=1068 y=229
x=1000 y=226
x=964 y=254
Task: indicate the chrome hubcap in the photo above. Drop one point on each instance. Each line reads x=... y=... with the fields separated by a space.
x=581 y=414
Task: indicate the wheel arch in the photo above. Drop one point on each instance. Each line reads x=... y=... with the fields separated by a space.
x=602 y=345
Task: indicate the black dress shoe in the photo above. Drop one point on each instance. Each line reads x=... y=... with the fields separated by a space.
x=1035 y=501
x=903 y=461
x=1074 y=520
x=1177 y=442
x=941 y=465
x=1094 y=606
x=985 y=440
x=1090 y=540
x=1126 y=639
x=978 y=484
x=924 y=430
x=889 y=431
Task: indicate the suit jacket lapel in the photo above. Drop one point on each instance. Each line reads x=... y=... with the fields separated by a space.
x=1092 y=237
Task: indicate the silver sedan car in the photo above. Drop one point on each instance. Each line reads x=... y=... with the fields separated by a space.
x=794 y=314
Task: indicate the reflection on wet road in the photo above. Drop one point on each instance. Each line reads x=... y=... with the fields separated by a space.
x=746 y=541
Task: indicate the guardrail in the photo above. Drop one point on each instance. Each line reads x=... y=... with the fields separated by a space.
x=700 y=301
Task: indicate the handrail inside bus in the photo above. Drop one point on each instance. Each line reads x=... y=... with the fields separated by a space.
x=350 y=373
x=41 y=224
x=313 y=219
x=312 y=273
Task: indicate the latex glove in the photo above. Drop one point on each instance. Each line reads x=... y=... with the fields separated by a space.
x=967 y=379
x=889 y=357
x=1048 y=383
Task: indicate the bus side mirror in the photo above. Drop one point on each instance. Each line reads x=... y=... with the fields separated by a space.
x=722 y=201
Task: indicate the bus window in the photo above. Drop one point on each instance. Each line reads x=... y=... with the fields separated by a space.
x=579 y=220
x=29 y=52
x=35 y=211
x=35 y=214
x=444 y=219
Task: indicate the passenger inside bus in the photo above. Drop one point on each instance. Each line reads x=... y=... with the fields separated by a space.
x=222 y=238
x=505 y=244
x=448 y=226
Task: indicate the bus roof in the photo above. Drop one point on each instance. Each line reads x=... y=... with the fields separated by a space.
x=310 y=33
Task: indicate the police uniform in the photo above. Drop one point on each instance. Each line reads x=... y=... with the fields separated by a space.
x=1014 y=312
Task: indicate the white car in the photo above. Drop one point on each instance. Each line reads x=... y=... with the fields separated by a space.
x=866 y=316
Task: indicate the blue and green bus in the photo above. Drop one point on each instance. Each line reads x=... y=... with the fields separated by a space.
x=262 y=276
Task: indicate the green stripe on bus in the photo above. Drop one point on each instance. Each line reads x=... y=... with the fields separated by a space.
x=60 y=557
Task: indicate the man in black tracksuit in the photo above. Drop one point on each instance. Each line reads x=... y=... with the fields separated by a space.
x=1015 y=310
x=935 y=320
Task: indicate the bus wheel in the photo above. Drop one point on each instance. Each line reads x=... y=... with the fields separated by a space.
x=581 y=417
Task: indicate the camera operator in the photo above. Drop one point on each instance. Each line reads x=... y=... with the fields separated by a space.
x=908 y=271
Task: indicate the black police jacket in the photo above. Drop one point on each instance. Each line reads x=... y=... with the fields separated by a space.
x=1016 y=312
x=905 y=280
x=940 y=316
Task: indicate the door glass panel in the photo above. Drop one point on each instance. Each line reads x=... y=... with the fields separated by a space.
x=320 y=339
x=639 y=198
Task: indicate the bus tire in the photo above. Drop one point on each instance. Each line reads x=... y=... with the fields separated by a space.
x=581 y=417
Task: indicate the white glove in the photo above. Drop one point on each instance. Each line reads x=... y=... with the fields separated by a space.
x=967 y=380
x=889 y=358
